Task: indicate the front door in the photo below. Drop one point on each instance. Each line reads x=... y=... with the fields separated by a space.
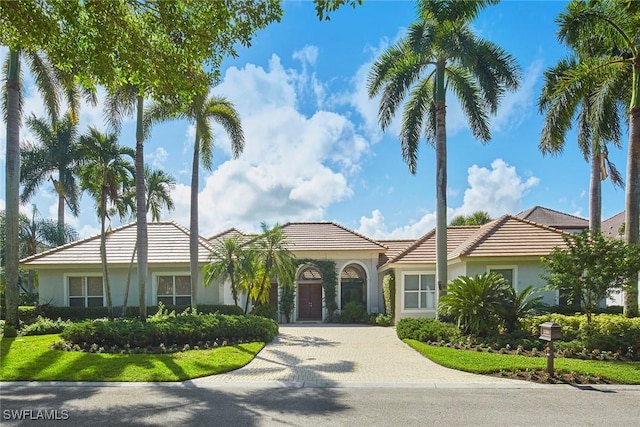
x=310 y=301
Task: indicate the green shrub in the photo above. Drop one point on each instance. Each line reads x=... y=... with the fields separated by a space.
x=44 y=326
x=389 y=292
x=9 y=331
x=81 y=313
x=27 y=314
x=287 y=302
x=427 y=329
x=168 y=330
x=380 y=319
x=265 y=310
x=354 y=312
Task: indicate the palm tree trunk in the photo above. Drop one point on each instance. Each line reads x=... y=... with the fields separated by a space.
x=632 y=210
x=12 y=184
x=60 y=191
x=441 y=182
x=141 y=213
x=103 y=253
x=193 y=225
x=595 y=190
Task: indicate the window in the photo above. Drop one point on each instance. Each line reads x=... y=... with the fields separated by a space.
x=419 y=291
x=174 y=290
x=85 y=291
x=507 y=273
x=353 y=286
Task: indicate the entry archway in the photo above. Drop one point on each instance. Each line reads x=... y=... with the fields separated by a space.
x=309 y=286
x=353 y=285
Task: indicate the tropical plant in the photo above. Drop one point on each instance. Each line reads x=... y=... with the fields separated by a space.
x=476 y=218
x=474 y=302
x=441 y=54
x=202 y=110
x=226 y=261
x=591 y=268
x=58 y=152
x=516 y=306
x=614 y=27
x=595 y=128
x=106 y=174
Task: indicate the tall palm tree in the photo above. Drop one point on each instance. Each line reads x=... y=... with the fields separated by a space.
x=158 y=196
x=105 y=175
x=476 y=218
x=201 y=111
x=12 y=111
x=57 y=151
x=124 y=101
x=594 y=129
x=441 y=54
x=615 y=26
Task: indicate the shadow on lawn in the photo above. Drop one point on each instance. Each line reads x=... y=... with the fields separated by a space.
x=174 y=404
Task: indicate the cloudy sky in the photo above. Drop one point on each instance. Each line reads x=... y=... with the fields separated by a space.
x=315 y=152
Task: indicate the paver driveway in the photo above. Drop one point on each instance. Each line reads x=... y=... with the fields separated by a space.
x=332 y=355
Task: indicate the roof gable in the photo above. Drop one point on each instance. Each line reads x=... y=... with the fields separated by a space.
x=611 y=226
x=168 y=243
x=323 y=236
x=424 y=249
x=553 y=218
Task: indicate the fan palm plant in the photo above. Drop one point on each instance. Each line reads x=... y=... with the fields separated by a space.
x=440 y=54
x=202 y=111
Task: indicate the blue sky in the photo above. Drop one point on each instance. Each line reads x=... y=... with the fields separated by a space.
x=314 y=150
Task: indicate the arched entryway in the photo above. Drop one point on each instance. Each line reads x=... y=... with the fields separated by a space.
x=309 y=292
x=353 y=285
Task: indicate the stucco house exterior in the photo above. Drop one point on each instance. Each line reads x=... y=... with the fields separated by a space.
x=70 y=275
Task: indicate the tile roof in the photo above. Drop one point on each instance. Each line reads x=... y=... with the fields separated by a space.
x=396 y=246
x=322 y=236
x=505 y=236
x=168 y=243
x=226 y=234
x=553 y=218
x=611 y=226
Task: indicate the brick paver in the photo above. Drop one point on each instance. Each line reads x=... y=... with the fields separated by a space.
x=330 y=355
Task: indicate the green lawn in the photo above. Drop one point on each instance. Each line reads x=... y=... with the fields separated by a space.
x=487 y=363
x=29 y=358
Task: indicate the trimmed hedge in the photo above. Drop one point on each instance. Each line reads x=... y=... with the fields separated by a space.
x=82 y=313
x=427 y=329
x=44 y=326
x=182 y=329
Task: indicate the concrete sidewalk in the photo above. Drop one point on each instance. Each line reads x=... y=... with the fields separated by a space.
x=341 y=355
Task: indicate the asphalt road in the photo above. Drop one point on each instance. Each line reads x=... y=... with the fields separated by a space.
x=243 y=405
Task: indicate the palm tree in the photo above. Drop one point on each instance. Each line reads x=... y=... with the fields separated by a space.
x=127 y=100
x=476 y=218
x=158 y=196
x=225 y=263
x=57 y=151
x=275 y=258
x=105 y=175
x=615 y=27
x=440 y=53
x=201 y=111
x=561 y=111
x=12 y=111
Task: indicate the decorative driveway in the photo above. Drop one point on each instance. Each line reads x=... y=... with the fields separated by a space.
x=321 y=355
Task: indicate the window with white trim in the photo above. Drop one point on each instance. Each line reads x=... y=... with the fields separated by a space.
x=85 y=291
x=419 y=291
x=173 y=289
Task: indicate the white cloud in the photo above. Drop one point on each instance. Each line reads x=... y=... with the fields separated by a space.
x=293 y=167
x=307 y=55
x=515 y=107
x=158 y=158
x=497 y=191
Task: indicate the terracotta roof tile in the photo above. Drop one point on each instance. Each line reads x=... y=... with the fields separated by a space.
x=553 y=218
x=326 y=236
x=168 y=243
x=424 y=249
x=226 y=234
x=396 y=246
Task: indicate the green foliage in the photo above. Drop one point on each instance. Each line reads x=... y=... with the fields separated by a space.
x=389 y=293
x=354 y=312
x=591 y=268
x=44 y=326
x=427 y=329
x=81 y=313
x=380 y=319
x=265 y=310
x=516 y=306
x=287 y=302
x=27 y=314
x=476 y=218
x=9 y=331
x=167 y=330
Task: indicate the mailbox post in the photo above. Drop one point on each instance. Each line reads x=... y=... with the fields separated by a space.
x=550 y=331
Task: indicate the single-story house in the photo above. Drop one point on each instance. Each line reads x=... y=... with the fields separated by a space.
x=71 y=275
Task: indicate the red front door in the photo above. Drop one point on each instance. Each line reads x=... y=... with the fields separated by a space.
x=310 y=301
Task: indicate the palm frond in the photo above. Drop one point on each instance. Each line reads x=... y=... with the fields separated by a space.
x=473 y=105
x=45 y=81
x=416 y=110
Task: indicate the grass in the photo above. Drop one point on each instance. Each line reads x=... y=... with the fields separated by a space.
x=489 y=363
x=29 y=358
